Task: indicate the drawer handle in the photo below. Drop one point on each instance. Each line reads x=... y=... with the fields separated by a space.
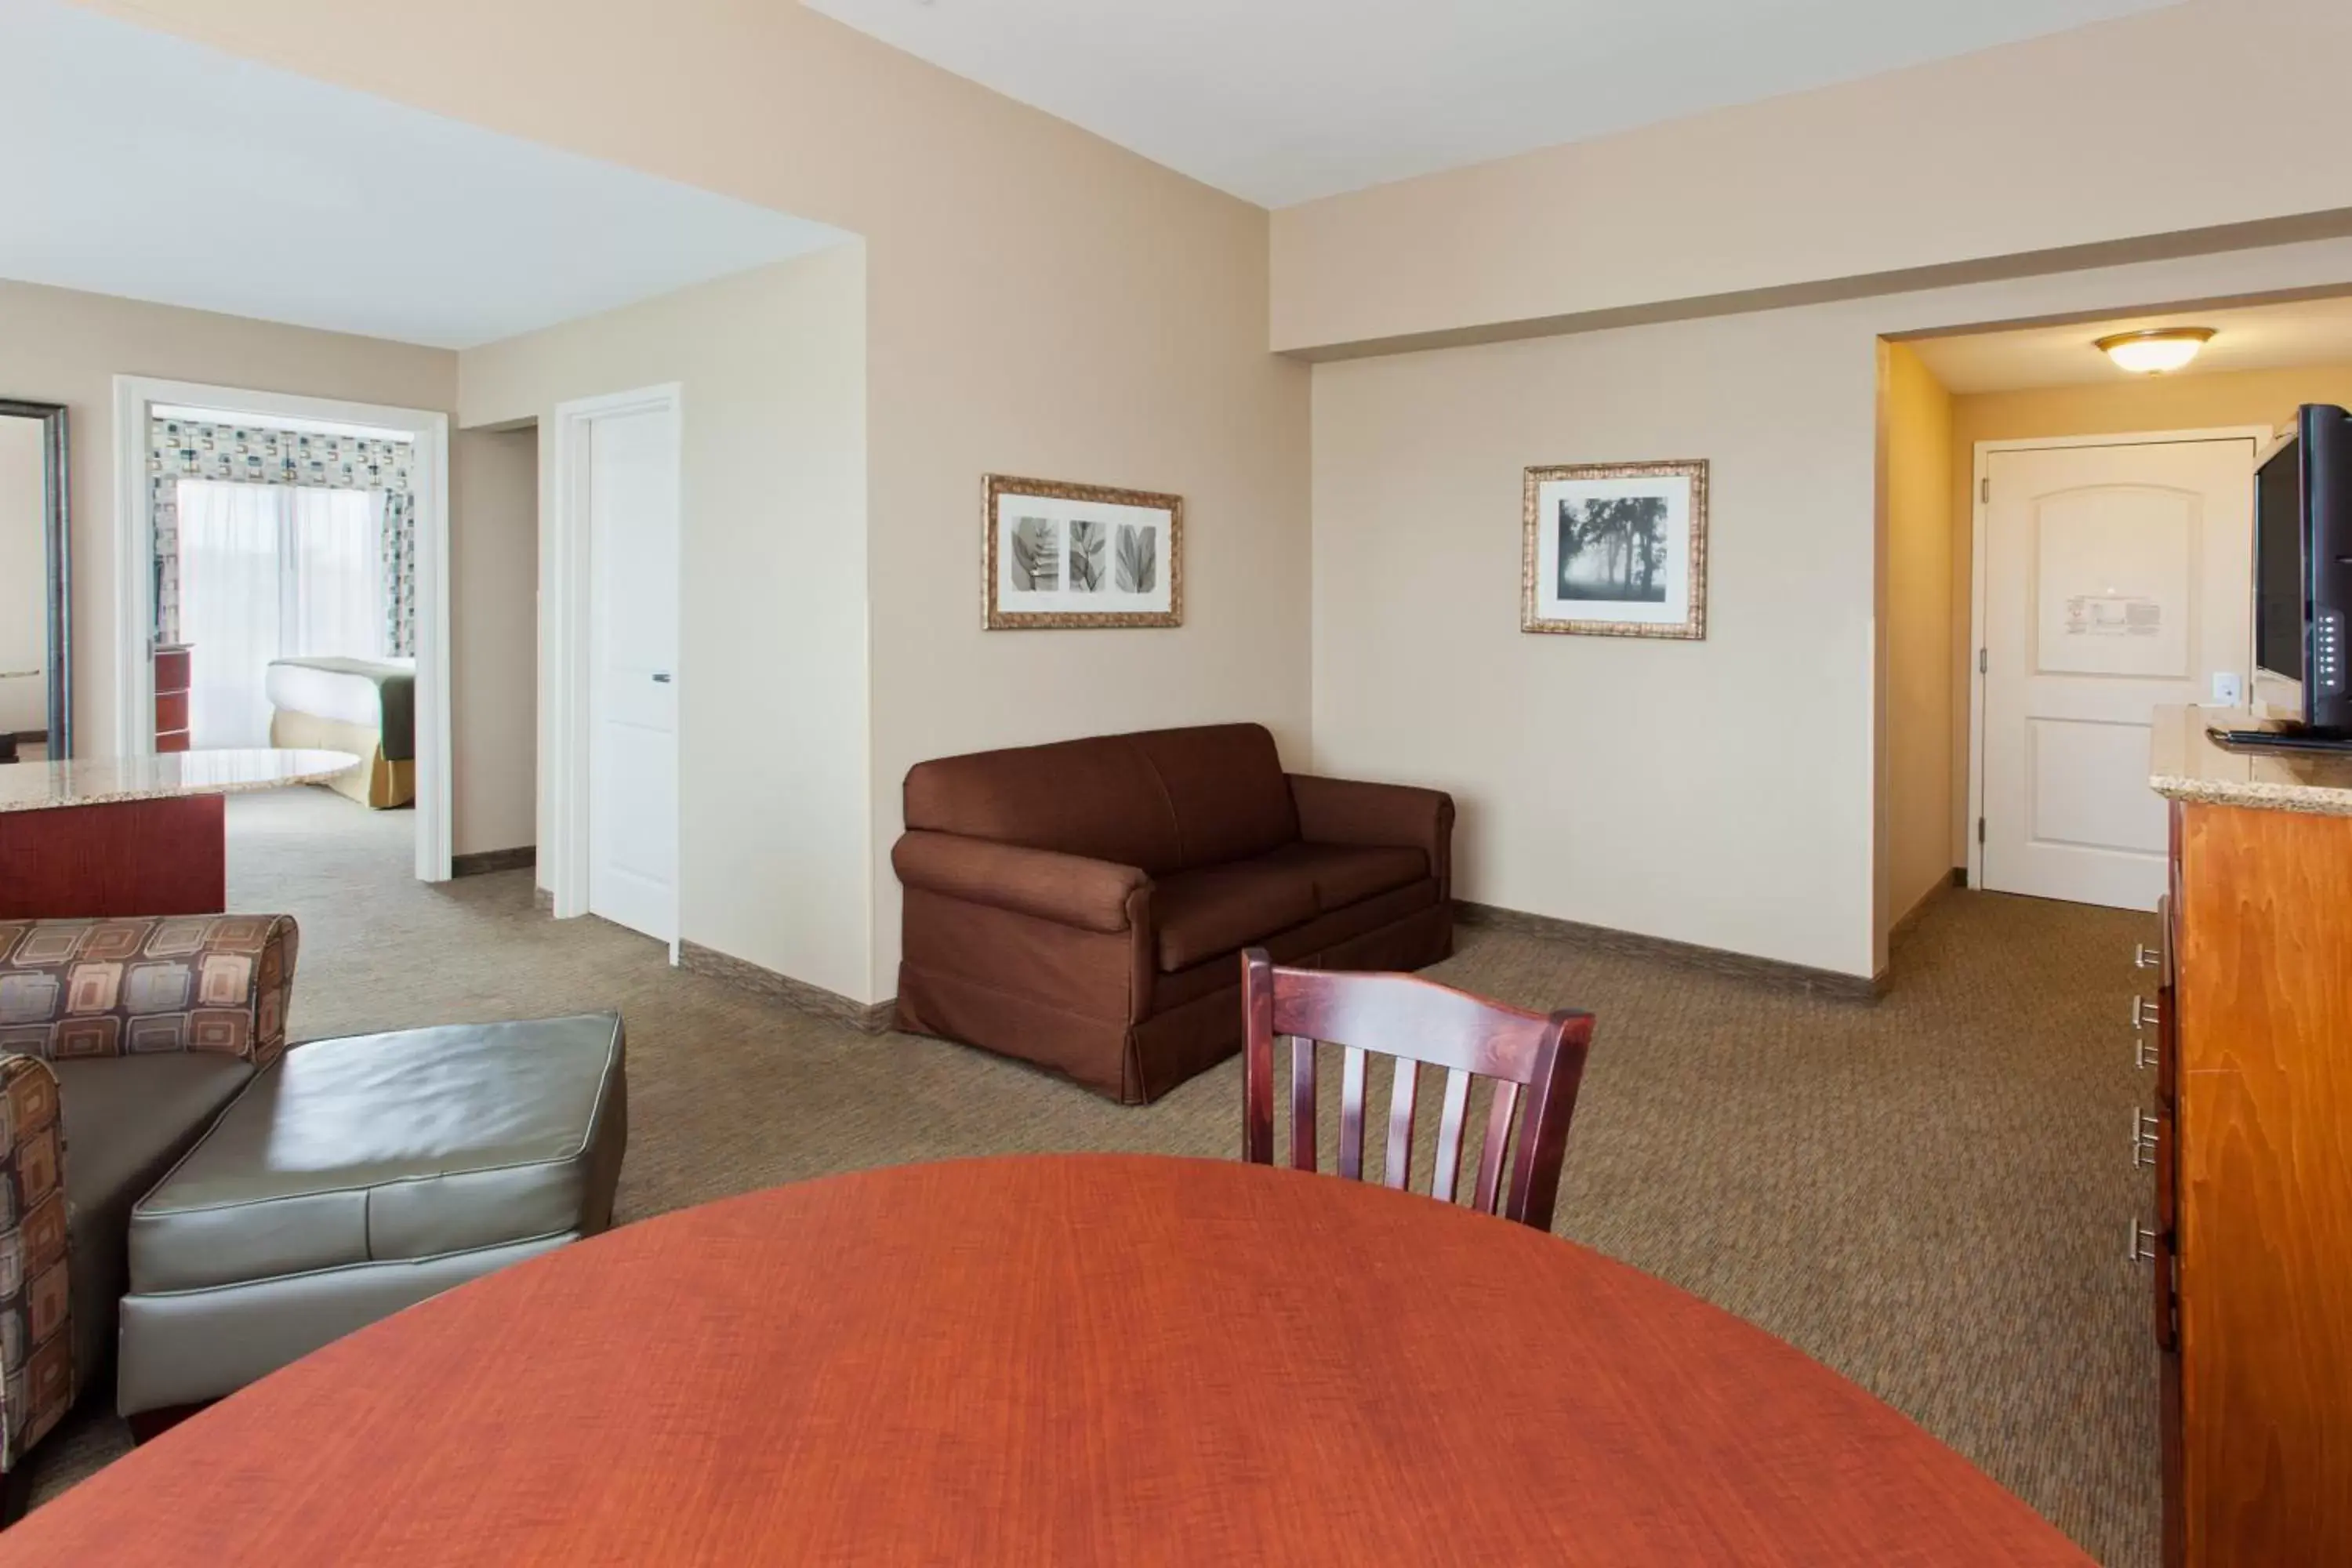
x=2145 y=1054
x=2144 y=1135
x=2141 y=1247
x=2145 y=956
x=2146 y=1015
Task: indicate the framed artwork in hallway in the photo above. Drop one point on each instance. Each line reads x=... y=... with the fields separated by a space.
x=1057 y=556
x=1615 y=549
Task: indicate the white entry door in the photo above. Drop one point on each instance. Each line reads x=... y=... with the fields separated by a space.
x=633 y=545
x=2116 y=579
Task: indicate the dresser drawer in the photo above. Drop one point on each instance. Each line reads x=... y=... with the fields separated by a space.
x=2155 y=1018
x=2156 y=1036
x=2161 y=1285
x=2167 y=949
x=2168 y=1178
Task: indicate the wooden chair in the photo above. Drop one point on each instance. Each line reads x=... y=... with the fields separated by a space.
x=1416 y=1021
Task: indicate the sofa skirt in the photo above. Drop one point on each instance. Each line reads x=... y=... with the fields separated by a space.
x=1137 y=1063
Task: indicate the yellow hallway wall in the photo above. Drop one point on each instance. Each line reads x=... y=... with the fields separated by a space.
x=1917 y=636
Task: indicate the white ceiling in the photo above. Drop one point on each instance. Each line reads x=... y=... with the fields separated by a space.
x=143 y=165
x=2246 y=337
x=1283 y=101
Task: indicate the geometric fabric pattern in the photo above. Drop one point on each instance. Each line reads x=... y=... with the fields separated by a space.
x=256 y=455
x=131 y=987
x=36 y=1369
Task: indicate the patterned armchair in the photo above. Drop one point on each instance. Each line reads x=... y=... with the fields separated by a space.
x=120 y=1039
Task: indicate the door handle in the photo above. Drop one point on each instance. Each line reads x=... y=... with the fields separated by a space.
x=662 y=676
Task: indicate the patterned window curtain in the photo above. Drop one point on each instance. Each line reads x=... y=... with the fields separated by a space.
x=187 y=449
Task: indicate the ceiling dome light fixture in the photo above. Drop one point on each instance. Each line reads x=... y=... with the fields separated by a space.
x=2156 y=351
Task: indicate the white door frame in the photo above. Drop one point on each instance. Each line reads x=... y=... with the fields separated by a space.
x=1976 y=655
x=135 y=586
x=567 y=595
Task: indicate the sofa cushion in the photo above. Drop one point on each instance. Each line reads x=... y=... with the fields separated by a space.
x=1299 y=944
x=1219 y=910
x=126 y=1119
x=1225 y=785
x=405 y=1145
x=1345 y=874
x=1163 y=800
x=1099 y=798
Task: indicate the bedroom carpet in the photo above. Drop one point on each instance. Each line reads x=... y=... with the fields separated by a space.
x=1929 y=1194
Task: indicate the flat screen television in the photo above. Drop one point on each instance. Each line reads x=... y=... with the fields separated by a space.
x=2303 y=573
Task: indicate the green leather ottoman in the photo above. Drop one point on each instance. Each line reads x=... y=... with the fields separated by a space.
x=358 y=1176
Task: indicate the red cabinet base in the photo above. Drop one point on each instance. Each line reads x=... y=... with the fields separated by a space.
x=166 y=856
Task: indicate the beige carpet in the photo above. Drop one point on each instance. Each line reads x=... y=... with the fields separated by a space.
x=1929 y=1194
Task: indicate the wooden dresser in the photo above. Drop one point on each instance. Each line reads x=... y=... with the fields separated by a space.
x=2249 y=1136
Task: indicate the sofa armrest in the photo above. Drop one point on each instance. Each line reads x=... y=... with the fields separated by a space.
x=157 y=983
x=1349 y=811
x=1068 y=889
x=36 y=1306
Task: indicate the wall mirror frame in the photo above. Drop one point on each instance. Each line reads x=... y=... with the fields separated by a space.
x=56 y=526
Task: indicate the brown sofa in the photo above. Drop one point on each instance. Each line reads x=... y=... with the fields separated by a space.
x=1081 y=905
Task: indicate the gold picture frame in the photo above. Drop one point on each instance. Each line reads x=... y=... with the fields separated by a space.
x=1658 y=559
x=1078 y=556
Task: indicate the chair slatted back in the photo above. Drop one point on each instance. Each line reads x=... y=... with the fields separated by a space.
x=1534 y=1062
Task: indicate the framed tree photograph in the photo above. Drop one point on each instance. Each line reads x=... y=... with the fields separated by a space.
x=1615 y=549
x=1057 y=556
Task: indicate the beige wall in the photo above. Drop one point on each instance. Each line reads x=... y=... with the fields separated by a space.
x=494 y=638
x=1725 y=792
x=60 y=346
x=2208 y=113
x=772 y=665
x=1037 y=301
x=1141 y=364
x=1916 y=555
x=1716 y=792
x=2114 y=408
x=24 y=578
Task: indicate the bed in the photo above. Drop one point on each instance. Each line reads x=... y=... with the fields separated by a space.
x=366 y=706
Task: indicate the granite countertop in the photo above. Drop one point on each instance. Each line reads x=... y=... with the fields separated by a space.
x=2185 y=764
x=100 y=781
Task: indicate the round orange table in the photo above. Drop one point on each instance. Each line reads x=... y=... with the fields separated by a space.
x=1067 y=1359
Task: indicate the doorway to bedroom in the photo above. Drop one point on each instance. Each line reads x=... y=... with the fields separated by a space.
x=282 y=554
x=286 y=555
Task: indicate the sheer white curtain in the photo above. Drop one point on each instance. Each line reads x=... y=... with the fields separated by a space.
x=269 y=572
x=332 y=579
x=229 y=541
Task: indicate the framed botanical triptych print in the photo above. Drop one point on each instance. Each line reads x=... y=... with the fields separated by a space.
x=1057 y=556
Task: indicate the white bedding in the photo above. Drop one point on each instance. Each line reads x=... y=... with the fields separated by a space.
x=349 y=699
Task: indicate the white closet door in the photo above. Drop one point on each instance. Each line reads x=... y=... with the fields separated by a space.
x=633 y=490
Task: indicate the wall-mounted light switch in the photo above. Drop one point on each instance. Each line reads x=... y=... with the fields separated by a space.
x=2229 y=688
